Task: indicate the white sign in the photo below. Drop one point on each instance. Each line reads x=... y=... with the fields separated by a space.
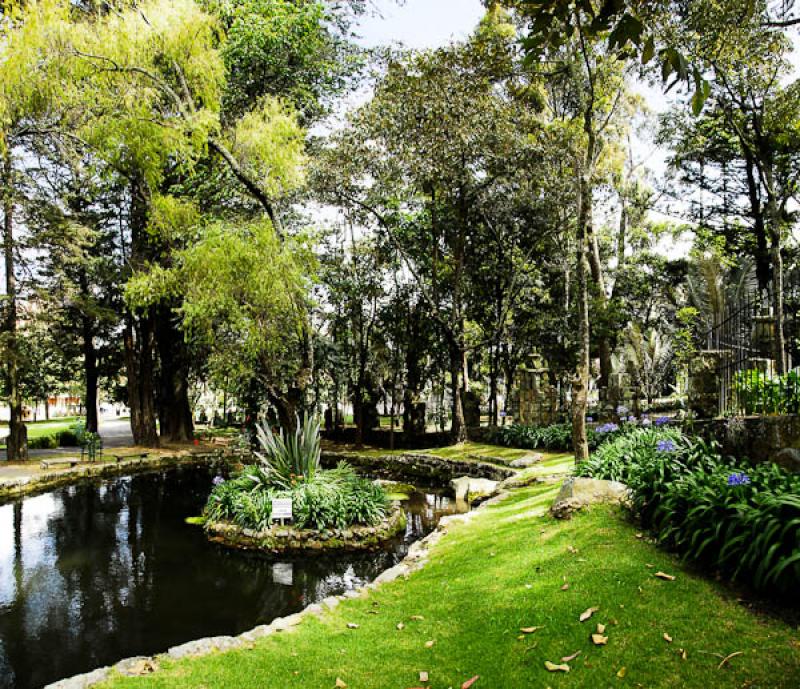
x=282 y=508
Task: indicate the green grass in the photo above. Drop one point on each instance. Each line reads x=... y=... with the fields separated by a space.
x=39 y=429
x=504 y=571
x=465 y=451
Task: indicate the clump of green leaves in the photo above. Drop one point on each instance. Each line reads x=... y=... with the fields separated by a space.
x=289 y=467
x=555 y=437
x=738 y=519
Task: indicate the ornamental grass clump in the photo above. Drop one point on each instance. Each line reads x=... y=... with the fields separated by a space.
x=289 y=467
x=740 y=520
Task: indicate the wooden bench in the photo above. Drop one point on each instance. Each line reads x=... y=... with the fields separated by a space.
x=141 y=456
x=49 y=463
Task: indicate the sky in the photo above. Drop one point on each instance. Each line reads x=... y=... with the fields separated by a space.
x=420 y=23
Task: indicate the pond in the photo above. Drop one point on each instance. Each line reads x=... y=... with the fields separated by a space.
x=100 y=571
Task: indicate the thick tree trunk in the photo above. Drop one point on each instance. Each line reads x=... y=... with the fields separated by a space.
x=139 y=336
x=605 y=348
x=493 y=374
x=174 y=407
x=458 y=429
x=17 y=441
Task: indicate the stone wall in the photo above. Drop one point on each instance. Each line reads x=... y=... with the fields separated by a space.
x=280 y=539
x=537 y=399
x=757 y=438
x=429 y=468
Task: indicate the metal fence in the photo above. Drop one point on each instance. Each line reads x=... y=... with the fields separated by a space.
x=743 y=340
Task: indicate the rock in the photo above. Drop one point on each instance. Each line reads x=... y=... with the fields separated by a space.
x=788 y=458
x=467 y=488
x=135 y=667
x=577 y=493
x=527 y=461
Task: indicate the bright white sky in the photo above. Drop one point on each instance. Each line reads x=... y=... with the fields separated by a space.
x=420 y=23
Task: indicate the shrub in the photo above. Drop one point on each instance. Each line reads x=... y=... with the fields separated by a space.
x=556 y=437
x=290 y=468
x=67 y=438
x=43 y=442
x=742 y=520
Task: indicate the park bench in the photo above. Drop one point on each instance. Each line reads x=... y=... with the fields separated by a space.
x=49 y=463
x=141 y=456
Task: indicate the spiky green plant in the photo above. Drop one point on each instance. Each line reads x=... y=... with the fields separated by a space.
x=288 y=458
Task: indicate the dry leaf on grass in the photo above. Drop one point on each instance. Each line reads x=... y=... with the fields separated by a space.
x=470 y=682
x=683 y=654
x=664 y=576
x=601 y=628
x=423 y=676
x=727 y=658
x=429 y=644
x=599 y=640
x=622 y=672
x=352 y=625
x=552 y=667
x=567 y=659
x=565 y=587
x=529 y=630
x=572 y=549
x=340 y=684
x=400 y=626
x=417 y=618
x=586 y=614
x=667 y=638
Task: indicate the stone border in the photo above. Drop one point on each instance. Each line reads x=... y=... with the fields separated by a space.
x=286 y=539
x=412 y=465
x=20 y=487
x=416 y=559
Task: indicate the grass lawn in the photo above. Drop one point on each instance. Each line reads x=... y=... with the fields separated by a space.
x=38 y=429
x=504 y=571
x=465 y=451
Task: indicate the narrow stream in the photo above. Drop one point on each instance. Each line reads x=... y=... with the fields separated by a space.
x=100 y=571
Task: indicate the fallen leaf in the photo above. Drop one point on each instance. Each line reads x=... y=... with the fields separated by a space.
x=565 y=587
x=552 y=667
x=352 y=625
x=572 y=549
x=649 y=566
x=470 y=682
x=529 y=630
x=683 y=654
x=417 y=618
x=400 y=626
x=667 y=638
x=599 y=640
x=601 y=628
x=622 y=672
x=727 y=658
x=528 y=586
x=639 y=535
x=665 y=576
x=423 y=676
x=429 y=644
x=586 y=614
x=567 y=659
x=340 y=684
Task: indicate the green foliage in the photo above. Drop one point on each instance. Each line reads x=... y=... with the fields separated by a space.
x=759 y=393
x=289 y=467
x=43 y=442
x=741 y=520
x=287 y=458
x=67 y=438
x=556 y=437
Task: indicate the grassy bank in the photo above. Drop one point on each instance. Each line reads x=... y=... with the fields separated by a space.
x=504 y=571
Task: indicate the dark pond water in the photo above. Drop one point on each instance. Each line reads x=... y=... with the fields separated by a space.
x=96 y=572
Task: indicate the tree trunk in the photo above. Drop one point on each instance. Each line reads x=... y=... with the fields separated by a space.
x=605 y=348
x=90 y=373
x=17 y=441
x=580 y=382
x=458 y=429
x=775 y=232
x=493 y=373
x=174 y=407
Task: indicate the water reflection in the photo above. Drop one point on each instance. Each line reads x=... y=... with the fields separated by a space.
x=96 y=572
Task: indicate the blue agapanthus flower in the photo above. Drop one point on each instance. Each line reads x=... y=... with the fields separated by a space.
x=622 y=410
x=589 y=419
x=218 y=480
x=662 y=421
x=665 y=445
x=738 y=479
x=607 y=428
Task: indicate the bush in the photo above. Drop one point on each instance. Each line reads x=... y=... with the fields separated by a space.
x=290 y=468
x=43 y=442
x=556 y=437
x=742 y=520
x=67 y=438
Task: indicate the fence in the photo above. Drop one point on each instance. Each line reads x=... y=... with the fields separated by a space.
x=743 y=340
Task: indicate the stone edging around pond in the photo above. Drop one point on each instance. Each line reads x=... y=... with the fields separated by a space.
x=417 y=558
x=411 y=465
x=280 y=539
x=14 y=488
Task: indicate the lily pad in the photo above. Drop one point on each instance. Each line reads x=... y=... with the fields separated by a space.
x=195 y=521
